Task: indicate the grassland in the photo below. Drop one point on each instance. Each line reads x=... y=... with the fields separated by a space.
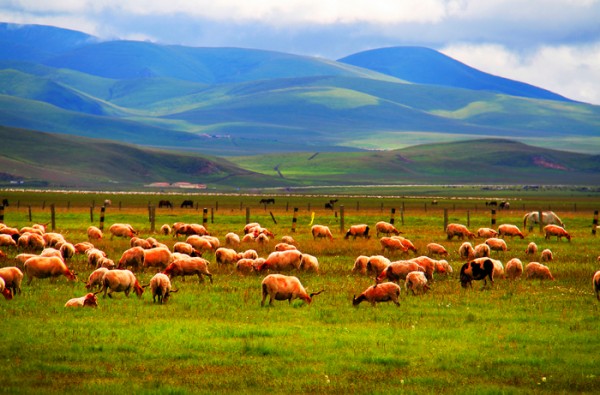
x=514 y=337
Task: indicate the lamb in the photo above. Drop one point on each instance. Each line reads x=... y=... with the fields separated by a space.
x=531 y=249
x=157 y=257
x=12 y=276
x=165 y=229
x=510 y=230
x=514 y=269
x=132 y=257
x=227 y=256
x=321 y=231
x=436 y=249
x=160 y=284
x=94 y=233
x=44 y=267
x=282 y=260
x=309 y=263
x=535 y=270
x=280 y=287
x=459 y=231
x=386 y=228
x=596 y=284
x=496 y=244
x=555 y=230
x=120 y=281
x=188 y=267
x=121 y=230
x=477 y=270
x=95 y=278
x=89 y=300
x=486 y=232
x=466 y=251
x=355 y=231
x=232 y=240
x=379 y=293
x=391 y=244
x=416 y=282
x=398 y=270
x=547 y=255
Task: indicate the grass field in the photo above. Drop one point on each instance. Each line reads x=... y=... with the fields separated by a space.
x=527 y=336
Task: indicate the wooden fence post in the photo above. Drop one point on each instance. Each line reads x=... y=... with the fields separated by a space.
x=91 y=214
x=53 y=216
x=204 y=217
x=1 y=214
x=392 y=213
x=152 y=217
x=595 y=222
x=445 y=218
x=102 y=212
x=247 y=215
x=342 y=227
x=294 y=219
x=493 y=219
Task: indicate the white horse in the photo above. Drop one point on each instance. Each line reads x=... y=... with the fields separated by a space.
x=548 y=218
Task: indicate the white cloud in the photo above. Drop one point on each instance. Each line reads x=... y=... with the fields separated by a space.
x=572 y=71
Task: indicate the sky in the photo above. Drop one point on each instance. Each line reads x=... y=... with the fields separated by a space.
x=553 y=44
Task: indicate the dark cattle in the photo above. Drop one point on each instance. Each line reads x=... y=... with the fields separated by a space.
x=5 y=202
x=187 y=204
x=267 y=201
x=329 y=206
x=504 y=205
x=492 y=203
x=165 y=203
x=476 y=270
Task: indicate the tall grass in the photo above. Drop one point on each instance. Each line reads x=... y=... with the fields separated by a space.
x=514 y=337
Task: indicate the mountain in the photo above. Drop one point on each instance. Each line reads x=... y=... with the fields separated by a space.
x=427 y=66
x=236 y=101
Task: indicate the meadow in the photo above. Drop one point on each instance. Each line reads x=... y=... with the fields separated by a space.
x=526 y=336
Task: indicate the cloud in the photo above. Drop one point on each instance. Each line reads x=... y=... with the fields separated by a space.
x=572 y=71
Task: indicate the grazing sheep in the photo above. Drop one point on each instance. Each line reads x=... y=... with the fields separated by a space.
x=6 y=292
x=160 y=284
x=466 y=251
x=89 y=300
x=262 y=239
x=385 y=292
x=288 y=240
x=44 y=267
x=139 y=242
x=105 y=262
x=284 y=247
x=376 y=264
x=227 y=256
x=120 y=281
x=232 y=240
x=426 y=263
x=477 y=270
x=416 y=282
x=280 y=287
x=248 y=238
x=95 y=278
x=498 y=269
x=67 y=250
x=360 y=264
x=547 y=255
x=94 y=255
x=436 y=249
x=185 y=248
x=514 y=269
x=596 y=284
x=496 y=244
x=510 y=230
x=391 y=244
x=189 y=229
x=321 y=231
x=398 y=270
x=12 y=276
x=94 y=233
x=157 y=257
x=52 y=239
x=200 y=244
x=531 y=249
x=535 y=270
x=459 y=231
x=51 y=252
x=248 y=228
x=165 y=229
x=31 y=241
x=406 y=243
x=121 y=230
x=282 y=261
x=486 y=232
x=250 y=254
x=481 y=250
x=246 y=266
x=7 y=241
x=132 y=257
x=555 y=230
x=386 y=228
x=214 y=241
x=309 y=262
x=443 y=267
x=81 y=248
x=189 y=266
x=355 y=231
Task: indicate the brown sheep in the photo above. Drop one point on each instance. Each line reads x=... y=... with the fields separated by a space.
x=282 y=260
x=189 y=267
x=185 y=248
x=81 y=248
x=386 y=228
x=436 y=249
x=477 y=270
x=157 y=257
x=531 y=249
x=426 y=263
x=416 y=282
x=486 y=232
x=120 y=281
x=535 y=270
x=355 y=231
x=95 y=278
x=227 y=256
x=555 y=230
x=547 y=255
x=246 y=266
x=321 y=231
x=6 y=292
x=496 y=244
x=398 y=270
x=392 y=245
x=94 y=233
x=44 y=267
x=200 y=244
x=7 y=241
x=385 y=292
x=510 y=230
x=89 y=300
x=284 y=247
x=459 y=231
x=12 y=276
x=376 y=264
x=514 y=269
x=132 y=257
x=280 y=287
x=121 y=230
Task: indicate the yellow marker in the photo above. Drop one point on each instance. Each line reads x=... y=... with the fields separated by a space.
x=312 y=218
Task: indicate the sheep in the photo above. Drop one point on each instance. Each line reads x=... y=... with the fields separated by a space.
x=199 y=243
x=94 y=233
x=262 y=239
x=288 y=240
x=4 y=290
x=443 y=267
x=284 y=247
x=496 y=244
x=44 y=267
x=81 y=248
x=188 y=267
x=189 y=229
x=416 y=282
x=47 y=252
x=31 y=241
x=531 y=249
x=379 y=293
x=282 y=260
x=247 y=265
x=160 y=284
x=466 y=251
x=132 y=257
x=514 y=269
x=214 y=241
x=165 y=229
x=249 y=254
x=121 y=230
x=89 y=300
x=157 y=257
x=185 y=248
x=477 y=270
x=321 y=231
x=309 y=262
x=555 y=230
x=281 y=287
x=391 y=244
x=398 y=270
x=24 y=256
x=52 y=239
x=355 y=231
x=436 y=249
x=7 y=241
x=67 y=250
x=426 y=263
x=386 y=228
x=120 y=281
x=226 y=256
x=459 y=231
x=406 y=243
x=259 y=230
x=14 y=233
x=248 y=228
x=94 y=255
x=376 y=264
x=95 y=278
x=509 y=230
x=481 y=250
x=535 y=270
x=105 y=262
x=498 y=269
x=139 y=242
x=232 y=240
x=596 y=284
x=486 y=232
x=360 y=264
x=12 y=276
x=547 y=255
x=248 y=238
x=548 y=218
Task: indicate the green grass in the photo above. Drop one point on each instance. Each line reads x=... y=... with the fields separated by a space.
x=521 y=337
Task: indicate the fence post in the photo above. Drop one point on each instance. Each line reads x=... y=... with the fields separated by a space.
x=1 y=214
x=53 y=216
x=102 y=212
x=212 y=215
x=91 y=214
x=294 y=219
x=342 y=227
x=247 y=215
x=393 y=212
x=493 y=219
x=595 y=222
x=273 y=217
x=445 y=218
x=402 y=215
x=152 y=216
x=204 y=217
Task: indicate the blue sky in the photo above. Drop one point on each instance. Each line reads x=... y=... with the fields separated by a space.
x=554 y=44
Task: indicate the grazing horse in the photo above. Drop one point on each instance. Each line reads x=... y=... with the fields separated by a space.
x=187 y=204
x=267 y=201
x=165 y=203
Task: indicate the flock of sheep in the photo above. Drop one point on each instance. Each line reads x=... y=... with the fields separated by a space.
x=49 y=253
